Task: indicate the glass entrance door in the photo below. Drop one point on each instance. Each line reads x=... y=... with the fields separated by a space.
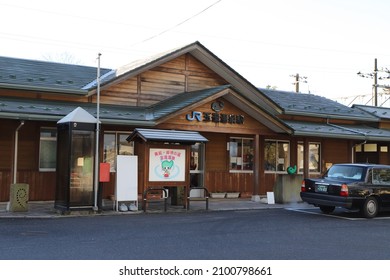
x=197 y=165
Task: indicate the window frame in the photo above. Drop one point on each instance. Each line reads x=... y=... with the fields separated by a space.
x=117 y=146
x=301 y=143
x=286 y=165
x=46 y=138
x=242 y=170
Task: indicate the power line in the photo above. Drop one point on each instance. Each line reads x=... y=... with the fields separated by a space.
x=374 y=75
x=176 y=25
x=298 y=80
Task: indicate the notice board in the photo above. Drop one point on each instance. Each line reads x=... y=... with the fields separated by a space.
x=126 y=179
x=167 y=165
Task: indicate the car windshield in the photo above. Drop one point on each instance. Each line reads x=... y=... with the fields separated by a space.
x=345 y=172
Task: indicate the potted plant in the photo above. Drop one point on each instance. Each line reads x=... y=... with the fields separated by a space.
x=232 y=194
x=218 y=194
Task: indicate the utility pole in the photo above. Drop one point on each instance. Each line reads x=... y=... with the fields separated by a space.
x=298 y=80
x=374 y=75
x=96 y=181
x=376 y=82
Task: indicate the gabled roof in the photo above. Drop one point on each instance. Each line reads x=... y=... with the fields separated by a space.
x=379 y=112
x=317 y=106
x=25 y=74
x=35 y=109
x=206 y=57
x=171 y=136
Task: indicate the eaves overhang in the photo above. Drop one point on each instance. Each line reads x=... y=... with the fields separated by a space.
x=167 y=136
x=365 y=117
x=329 y=130
x=53 y=90
x=56 y=118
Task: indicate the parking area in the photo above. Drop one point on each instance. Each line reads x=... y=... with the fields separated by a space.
x=340 y=213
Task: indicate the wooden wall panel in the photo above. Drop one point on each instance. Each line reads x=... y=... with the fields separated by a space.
x=199 y=83
x=217 y=181
x=167 y=84
x=184 y=73
x=250 y=125
x=335 y=151
x=42 y=185
x=5 y=183
x=6 y=143
x=178 y=63
x=216 y=153
x=124 y=93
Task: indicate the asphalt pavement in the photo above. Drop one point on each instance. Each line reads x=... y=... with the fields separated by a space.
x=45 y=209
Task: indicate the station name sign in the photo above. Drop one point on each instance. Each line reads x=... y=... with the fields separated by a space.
x=216 y=116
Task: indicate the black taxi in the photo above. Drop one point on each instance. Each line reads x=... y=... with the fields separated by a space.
x=364 y=187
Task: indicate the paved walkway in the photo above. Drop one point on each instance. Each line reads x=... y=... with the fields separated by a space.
x=46 y=209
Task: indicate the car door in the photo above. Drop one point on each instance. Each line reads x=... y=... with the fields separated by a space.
x=381 y=179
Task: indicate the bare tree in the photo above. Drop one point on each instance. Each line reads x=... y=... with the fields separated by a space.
x=62 y=58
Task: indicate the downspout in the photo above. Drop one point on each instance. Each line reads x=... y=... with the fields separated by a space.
x=354 y=131
x=16 y=150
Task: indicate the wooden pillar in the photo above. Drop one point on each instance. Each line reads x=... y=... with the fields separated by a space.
x=306 y=158
x=258 y=175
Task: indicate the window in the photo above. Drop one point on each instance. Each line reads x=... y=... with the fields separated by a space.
x=116 y=144
x=47 y=149
x=276 y=155
x=379 y=176
x=241 y=154
x=314 y=157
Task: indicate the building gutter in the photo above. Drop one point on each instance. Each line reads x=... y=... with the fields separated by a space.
x=55 y=118
x=349 y=129
x=352 y=130
x=45 y=89
x=15 y=169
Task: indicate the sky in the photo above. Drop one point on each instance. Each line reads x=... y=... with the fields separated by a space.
x=267 y=42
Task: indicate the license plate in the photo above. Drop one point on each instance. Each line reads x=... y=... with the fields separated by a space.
x=321 y=188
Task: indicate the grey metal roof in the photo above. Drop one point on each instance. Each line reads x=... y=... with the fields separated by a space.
x=379 y=112
x=47 y=76
x=182 y=100
x=314 y=105
x=34 y=109
x=49 y=110
x=171 y=136
x=329 y=130
x=54 y=110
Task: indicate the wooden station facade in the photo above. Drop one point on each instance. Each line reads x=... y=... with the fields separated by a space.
x=253 y=135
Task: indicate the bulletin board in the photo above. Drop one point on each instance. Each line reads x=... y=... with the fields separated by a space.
x=167 y=165
x=126 y=188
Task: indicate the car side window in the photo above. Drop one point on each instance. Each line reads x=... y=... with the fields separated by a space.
x=380 y=176
x=369 y=177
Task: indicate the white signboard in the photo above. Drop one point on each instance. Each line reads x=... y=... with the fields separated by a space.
x=167 y=165
x=126 y=178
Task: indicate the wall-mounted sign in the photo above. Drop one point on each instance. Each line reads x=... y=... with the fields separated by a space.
x=216 y=116
x=167 y=165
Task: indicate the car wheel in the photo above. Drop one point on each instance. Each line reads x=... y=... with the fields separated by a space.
x=327 y=209
x=370 y=208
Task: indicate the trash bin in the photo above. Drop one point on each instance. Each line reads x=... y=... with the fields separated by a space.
x=19 y=195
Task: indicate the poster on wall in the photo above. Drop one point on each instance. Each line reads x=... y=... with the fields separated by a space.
x=166 y=165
